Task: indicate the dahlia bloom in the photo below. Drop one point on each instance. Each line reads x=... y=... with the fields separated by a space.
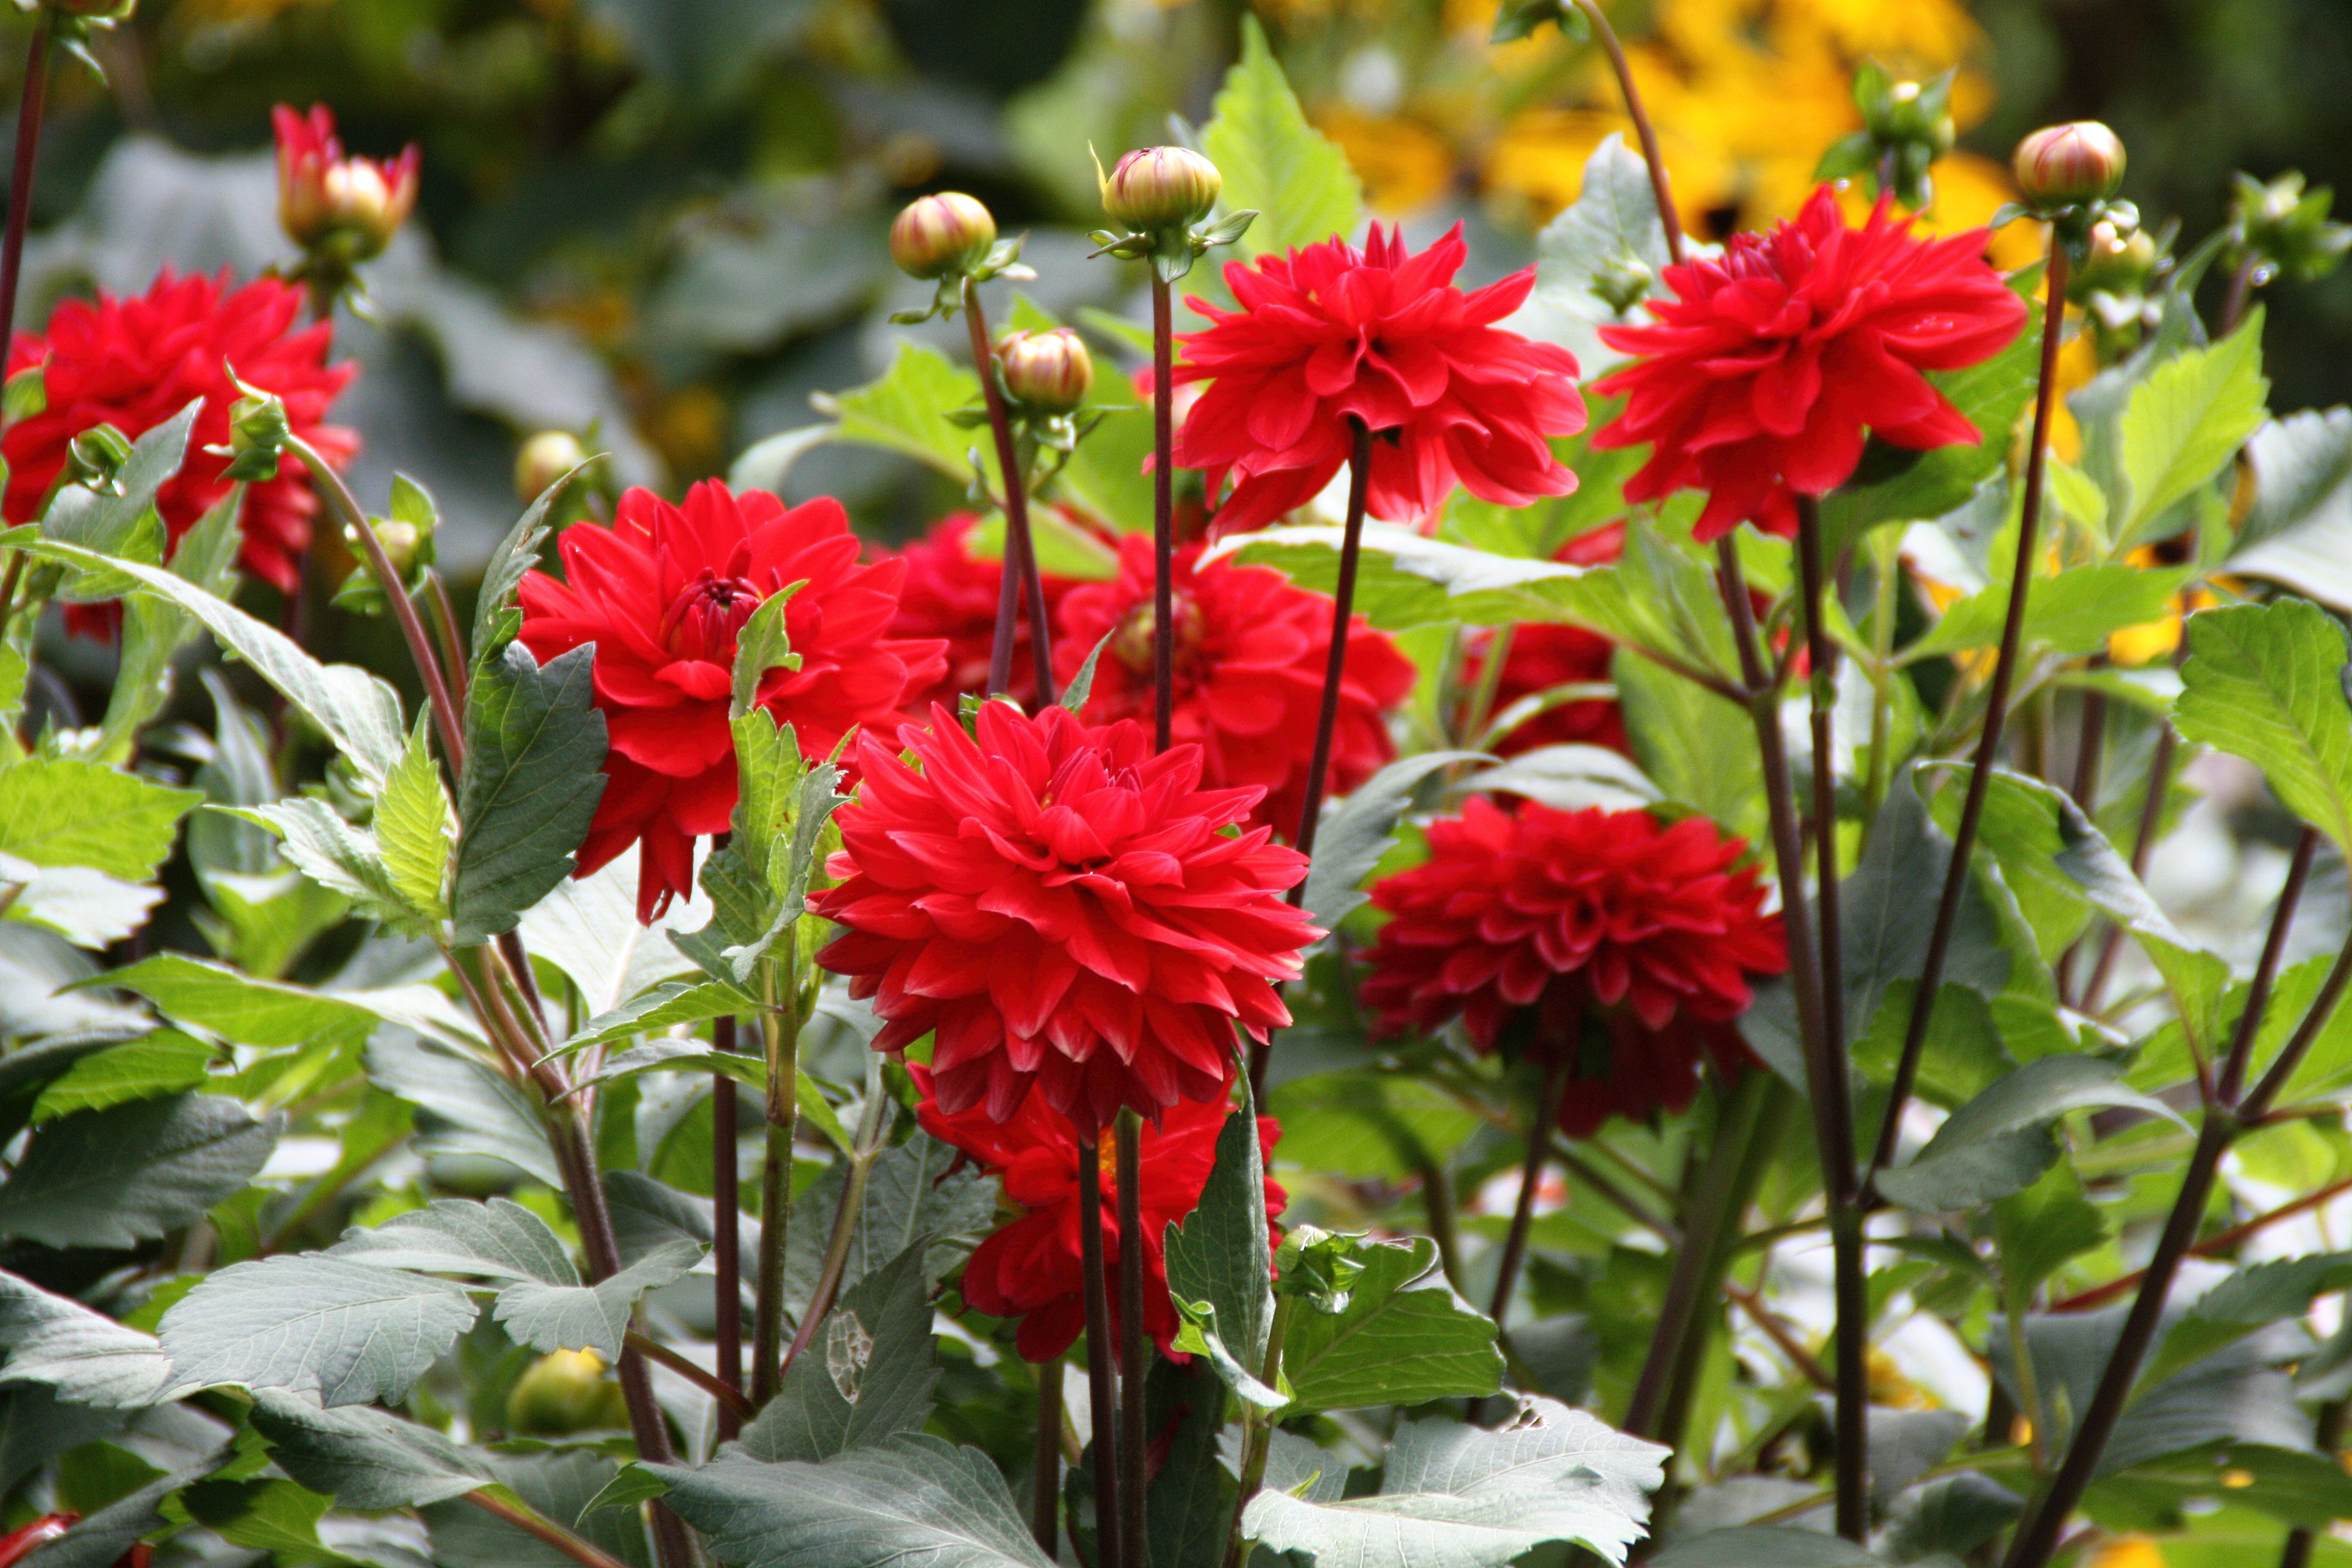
x=1760 y=375
x=949 y=593
x=1606 y=936
x=1544 y=656
x=663 y=593
x=1030 y=1267
x=325 y=198
x=1251 y=652
x=1065 y=909
x=1329 y=333
x=133 y=364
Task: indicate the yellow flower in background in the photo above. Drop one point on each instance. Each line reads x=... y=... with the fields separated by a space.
x=1403 y=164
x=2128 y=1551
x=2136 y=646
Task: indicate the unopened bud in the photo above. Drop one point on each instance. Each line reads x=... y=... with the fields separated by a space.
x=2062 y=166
x=936 y=236
x=1048 y=371
x=545 y=459
x=2117 y=263
x=400 y=542
x=329 y=204
x=1156 y=188
x=257 y=434
x=96 y=456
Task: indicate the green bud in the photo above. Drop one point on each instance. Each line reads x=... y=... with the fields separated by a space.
x=96 y=456
x=941 y=236
x=2281 y=227
x=1156 y=188
x=1050 y=373
x=545 y=459
x=2066 y=165
x=258 y=429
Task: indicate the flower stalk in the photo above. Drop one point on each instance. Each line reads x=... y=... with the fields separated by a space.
x=780 y=1031
x=727 y=1233
x=1020 y=547
x=1134 y=1348
x=1045 y=1485
x=1102 y=1374
x=864 y=1149
x=1163 y=512
x=1257 y=1429
x=29 y=105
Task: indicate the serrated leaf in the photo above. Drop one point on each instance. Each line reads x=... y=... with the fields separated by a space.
x=560 y=1485
x=589 y=1317
x=1405 y=1337
x=905 y=412
x=88 y=909
x=240 y=1008
x=105 y=522
x=915 y=1192
x=534 y=772
x=1356 y=832
x=1998 y=1143
x=499 y=1239
x=657 y=1011
x=865 y=1375
x=1215 y=1272
x=55 y=811
x=338 y=856
x=464 y=1108
x=350 y=1332
x=587 y=927
x=411 y=825
x=86 y=1356
x=2072 y=613
x=1613 y=222
x=105 y=1536
x=133 y=1173
x=2266 y=682
x=1274 y=162
x=510 y=561
x=2302 y=464
x=166 y=1062
x=361 y=1457
x=762 y=645
x=2186 y=420
x=2252 y=1299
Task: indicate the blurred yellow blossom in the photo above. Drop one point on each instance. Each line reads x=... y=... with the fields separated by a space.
x=2128 y=1551
x=1403 y=164
x=2136 y=646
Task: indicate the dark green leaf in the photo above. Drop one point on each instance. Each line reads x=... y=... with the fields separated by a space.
x=361 y=1457
x=1356 y=832
x=534 y=761
x=1215 y=1272
x=1405 y=1337
x=511 y=562
x=1763 y=1546
x=1998 y=1143
x=463 y=1107
x=132 y=1173
x=867 y=1372
x=86 y=1357
x=909 y=1197
x=589 y=1317
x=349 y=1333
x=499 y=1239
x=103 y=1538
x=559 y=1486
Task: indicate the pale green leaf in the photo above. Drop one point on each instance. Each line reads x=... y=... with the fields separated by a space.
x=2265 y=682
x=411 y=825
x=1274 y=162
x=2186 y=420
x=55 y=811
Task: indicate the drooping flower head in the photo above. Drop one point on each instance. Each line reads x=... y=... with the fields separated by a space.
x=1605 y=936
x=1065 y=909
x=951 y=594
x=663 y=593
x=1030 y=1267
x=1331 y=334
x=330 y=203
x=1546 y=656
x=1251 y=652
x=1760 y=375
x=135 y=363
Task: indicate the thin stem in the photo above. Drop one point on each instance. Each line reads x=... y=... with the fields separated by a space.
x=1163 y=512
x=1046 y=1494
x=535 y=1525
x=1257 y=1429
x=780 y=1028
x=727 y=1229
x=1437 y=1209
x=1633 y=1209
x=1020 y=550
x=1764 y=1317
x=1821 y=655
x=2241 y=294
x=1888 y=553
x=1523 y=1213
x=1133 y=1348
x=2322 y=1007
x=1102 y=1375
x=2151 y=818
x=445 y=628
x=863 y=1150
x=2214 y=1245
x=730 y=1397
x=2232 y=1080
x=1964 y=839
x=20 y=182
x=446 y=716
x=2328 y=1432
x=1659 y=190
x=2028 y=1386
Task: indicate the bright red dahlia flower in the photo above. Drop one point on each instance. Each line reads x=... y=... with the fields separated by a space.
x=1544 y=656
x=1603 y=935
x=1251 y=651
x=951 y=594
x=1330 y=332
x=133 y=364
x=1760 y=375
x=663 y=593
x=1030 y=1267
x=1065 y=909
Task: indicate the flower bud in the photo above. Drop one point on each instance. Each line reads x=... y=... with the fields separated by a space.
x=400 y=542
x=2117 y=263
x=327 y=201
x=258 y=429
x=936 y=236
x=1155 y=188
x=96 y=456
x=2060 y=165
x=1048 y=371
x=563 y=1392
x=545 y=459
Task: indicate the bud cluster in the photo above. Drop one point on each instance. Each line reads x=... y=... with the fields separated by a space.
x=1161 y=198
x=1045 y=372
x=2279 y=227
x=1907 y=126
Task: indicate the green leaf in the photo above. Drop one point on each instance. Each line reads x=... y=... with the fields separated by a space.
x=361 y=1457
x=907 y=412
x=105 y=522
x=765 y=463
x=2072 y=613
x=1763 y=1546
x=339 y=857
x=762 y=645
x=349 y=1333
x=58 y=812
x=2302 y=464
x=865 y=1375
x=1405 y=1337
x=261 y=1515
x=1608 y=242
x=166 y=1062
x=352 y=709
x=1888 y=910
x=1954 y=1515
x=86 y=1357
x=88 y=909
x=1082 y=685
x=411 y=825
x=1214 y=1269
x=499 y=1239
x=589 y=1317
x=915 y=1192
x=1998 y=1143
x=1274 y=162
x=534 y=772
x=132 y=1173
x=657 y=1011
x=1456 y=1496
x=494 y=619
x=2265 y=682
x=587 y=927
x=240 y=1008
x=2252 y=1299
x=153 y=630
x=1356 y=832
x=463 y=1107
x=912 y=1498
x=2186 y=420
x=106 y=1535
x=1699 y=748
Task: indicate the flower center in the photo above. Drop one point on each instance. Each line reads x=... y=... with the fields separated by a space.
x=1131 y=643
x=701 y=623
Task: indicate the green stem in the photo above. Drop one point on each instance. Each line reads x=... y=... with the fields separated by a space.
x=1257 y=1429
x=1102 y=1372
x=780 y=1030
x=532 y=1523
x=1888 y=548
x=2028 y=1386
x=865 y=1148
x=1490 y=681
x=727 y=1229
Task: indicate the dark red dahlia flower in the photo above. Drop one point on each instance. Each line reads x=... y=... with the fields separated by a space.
x=1030 y=1267
x=1760 y=375
x=1544 y=656
x=1251 y=651
x=663 y=593
x=1604 y=935
x=133 y=364
x=951 y=594
x=1064 y=909
x=1329 y=333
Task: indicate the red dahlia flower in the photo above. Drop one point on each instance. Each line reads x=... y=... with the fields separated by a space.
x=1544 y=656
x=1758 y=376
x=133 y=364
x=1030 y=1267
x=1601 y=935
x=951 y=594
x=663 y=593
x=1251 y=651
x=1330 y=332
x=1064 y=909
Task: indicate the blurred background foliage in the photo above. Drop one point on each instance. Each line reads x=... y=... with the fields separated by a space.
x=663 y=220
